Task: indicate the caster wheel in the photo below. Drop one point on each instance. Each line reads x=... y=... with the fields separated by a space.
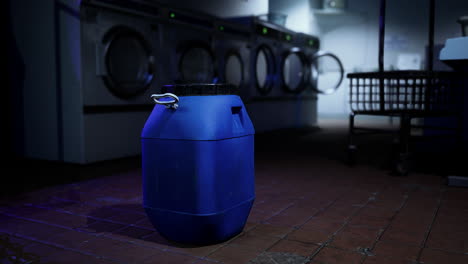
x=402 y=165
x=351 y=159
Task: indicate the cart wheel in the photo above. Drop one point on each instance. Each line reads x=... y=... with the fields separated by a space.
x=351 y=151
x=402 y=165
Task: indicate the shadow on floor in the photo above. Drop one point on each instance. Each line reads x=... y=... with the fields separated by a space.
x=31 y=174
x=130 y=231
x=428 y=155
x=327 y=141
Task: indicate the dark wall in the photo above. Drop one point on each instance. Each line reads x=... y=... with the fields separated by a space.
x=6 y=125
x=12 y=139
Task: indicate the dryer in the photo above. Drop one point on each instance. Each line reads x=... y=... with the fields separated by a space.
x=120 y=52
x=231 y=45
x=263 y=57
x=310 y=46
x=84 y=100
x=186 y=42
x=321 y=64
x=294 y=74
x=294 y=68
x=325 y=75
x=270 y=105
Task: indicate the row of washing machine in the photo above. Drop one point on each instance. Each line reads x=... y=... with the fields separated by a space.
x=92 y=65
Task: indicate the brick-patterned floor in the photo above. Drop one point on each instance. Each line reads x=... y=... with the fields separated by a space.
x=309 y=209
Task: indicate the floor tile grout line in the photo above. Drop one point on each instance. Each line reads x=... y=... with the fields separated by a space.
x=131 y=242
x=72 y=189
x=198 y=258
x=214 y=251
x=388 y=225
x=92 y=217
x=97 y=205
x=289 y=205
x=99 y=235
x=380 y=235
x=429 y=229
x=298 y=227
x=55 y=225
x=207 y=259
x=348 y=219
x=274 y=261
x=43 y=222
x=93 y=204
x=229 y=242
x=66 y=248
x=125 y=241
x=327 y=206
x=8 y=234
x=165 y=249
x=278 y=212
x=282 y=238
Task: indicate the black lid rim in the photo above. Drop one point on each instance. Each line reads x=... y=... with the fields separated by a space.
x=198 y=84
x=197 y=89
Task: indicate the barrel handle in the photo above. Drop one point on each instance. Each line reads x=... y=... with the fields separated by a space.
x=168 y=104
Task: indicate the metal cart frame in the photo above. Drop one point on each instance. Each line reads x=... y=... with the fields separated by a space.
x=405 y=94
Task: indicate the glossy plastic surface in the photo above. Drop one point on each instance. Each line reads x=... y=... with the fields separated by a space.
x=198 y=168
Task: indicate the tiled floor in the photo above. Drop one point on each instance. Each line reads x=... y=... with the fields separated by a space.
x=309 y=208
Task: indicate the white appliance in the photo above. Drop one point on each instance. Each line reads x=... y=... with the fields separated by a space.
x=268 y=106
x=263 y=57
x=284 y=76
x=294 y=68
x=81 y=102
x=186 y=41
x=231 y=45
x=120 y=51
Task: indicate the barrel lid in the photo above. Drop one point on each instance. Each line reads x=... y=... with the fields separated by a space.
x=201 y=89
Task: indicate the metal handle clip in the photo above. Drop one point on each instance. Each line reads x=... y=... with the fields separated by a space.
x=168 y=104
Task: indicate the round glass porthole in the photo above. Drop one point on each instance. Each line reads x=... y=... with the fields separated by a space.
x=197 y=65
x=327 y=73
x=129 y=63
x=234 y=70
x=264 y=70
x=294 y=72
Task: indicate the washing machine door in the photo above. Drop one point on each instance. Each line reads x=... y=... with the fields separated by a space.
x=326 y=72
x=129 y=62
x=294 y=71
x=264 y=65
x=196 y=63
x=234 y=68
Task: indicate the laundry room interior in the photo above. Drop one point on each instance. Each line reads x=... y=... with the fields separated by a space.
x=236 y=131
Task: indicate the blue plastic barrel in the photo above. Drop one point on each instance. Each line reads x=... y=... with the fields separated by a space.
x=198 y=163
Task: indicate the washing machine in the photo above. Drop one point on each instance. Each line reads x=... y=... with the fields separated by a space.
x=277 y=76
x=263 y=66
x=119 y=48
x=305 y=48
x=294 y=67
x=326 y=71
x=231 y=45
x=186 y=47
x=90 y=68
x=310 y=46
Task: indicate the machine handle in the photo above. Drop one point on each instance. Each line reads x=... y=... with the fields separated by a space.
x=168 y=104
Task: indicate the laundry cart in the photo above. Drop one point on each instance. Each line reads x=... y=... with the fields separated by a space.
x=407 y=95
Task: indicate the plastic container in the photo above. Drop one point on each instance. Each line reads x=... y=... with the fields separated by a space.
x=198 y=164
